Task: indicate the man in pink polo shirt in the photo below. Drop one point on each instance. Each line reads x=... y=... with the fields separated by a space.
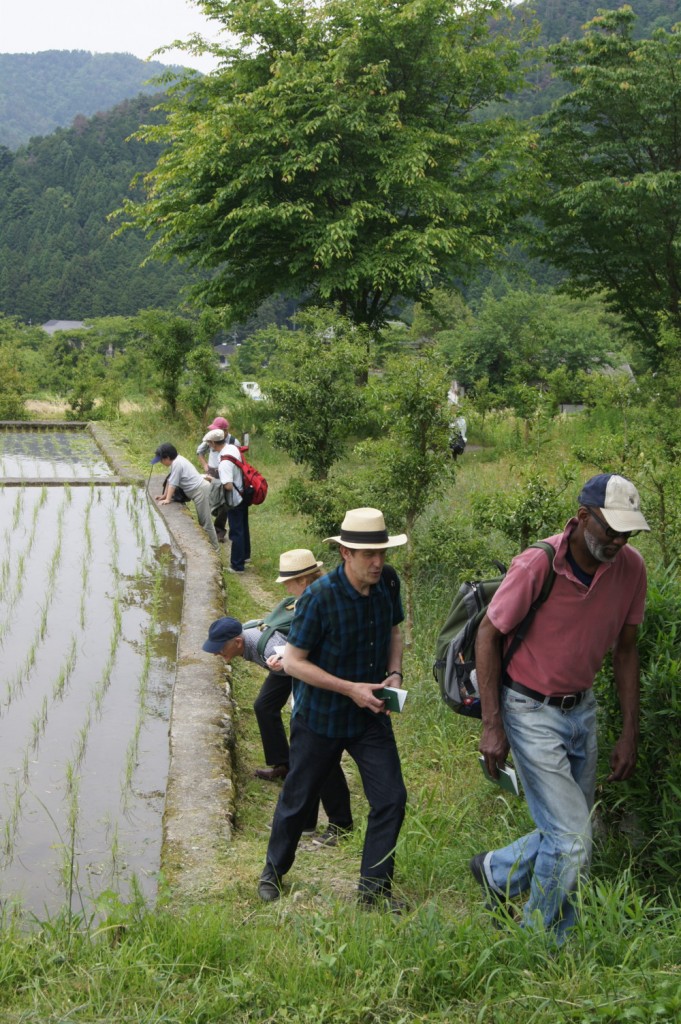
x=542 y=706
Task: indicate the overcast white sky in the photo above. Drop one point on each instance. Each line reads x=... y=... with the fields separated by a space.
x=104 y=26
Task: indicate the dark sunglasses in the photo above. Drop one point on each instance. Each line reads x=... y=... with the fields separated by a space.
x=608 y=531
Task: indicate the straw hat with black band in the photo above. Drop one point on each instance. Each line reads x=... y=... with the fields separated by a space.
x=295 y=563
x=364 y=528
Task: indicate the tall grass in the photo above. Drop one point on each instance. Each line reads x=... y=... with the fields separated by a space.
x=315 y=957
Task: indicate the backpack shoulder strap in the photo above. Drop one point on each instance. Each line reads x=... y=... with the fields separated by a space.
x=522 y=629
x=239 y=465
x=278 y=621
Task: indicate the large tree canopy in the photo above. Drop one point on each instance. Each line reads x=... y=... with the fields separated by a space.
x=611 y=212
x=339 y=152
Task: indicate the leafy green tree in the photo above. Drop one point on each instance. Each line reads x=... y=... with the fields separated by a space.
x=169 y=338
x=85 y=387
x=410 y=464
x=535 y=508
x=12 y=387
x=313 y=389
x=409 y=460
x=440 y=310
x=201 y=381
x=611 y=151
x=340 y=152
x=522 y=336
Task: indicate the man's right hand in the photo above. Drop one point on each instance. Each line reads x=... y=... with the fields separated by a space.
x=494 y=747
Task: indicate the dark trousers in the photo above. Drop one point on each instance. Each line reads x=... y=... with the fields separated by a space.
x=335 y=795
x=311 y=758
x=247 y=535
x=238 y=526
x=236 y=517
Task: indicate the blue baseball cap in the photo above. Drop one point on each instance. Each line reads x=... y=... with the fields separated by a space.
x=164 y=451
x=617 y=500
x=221 y=632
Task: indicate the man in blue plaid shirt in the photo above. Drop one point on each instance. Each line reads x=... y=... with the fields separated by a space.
x=345 y=643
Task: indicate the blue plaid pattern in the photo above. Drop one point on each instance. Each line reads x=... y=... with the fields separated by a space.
x=348 y=635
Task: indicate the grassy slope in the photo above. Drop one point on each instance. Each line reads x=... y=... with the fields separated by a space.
x=315 y=957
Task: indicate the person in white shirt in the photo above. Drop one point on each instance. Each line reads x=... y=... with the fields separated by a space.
x=234 y=509
x=184 y=475
x=209 y=459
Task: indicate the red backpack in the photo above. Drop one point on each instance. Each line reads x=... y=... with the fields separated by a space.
x=254 y=489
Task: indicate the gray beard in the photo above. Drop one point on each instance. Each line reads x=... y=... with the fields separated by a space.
x=596 y=549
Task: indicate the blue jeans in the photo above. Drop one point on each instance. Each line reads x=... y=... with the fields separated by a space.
x=311 y=758
x=554 y=753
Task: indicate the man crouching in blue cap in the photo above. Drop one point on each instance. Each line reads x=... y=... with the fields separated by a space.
x=228 y=638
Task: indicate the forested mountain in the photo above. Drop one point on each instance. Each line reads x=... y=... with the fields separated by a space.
x=57 y=257
x=43 y=91
x=560 y=18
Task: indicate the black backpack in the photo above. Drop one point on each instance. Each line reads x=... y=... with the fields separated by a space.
x=454 y=666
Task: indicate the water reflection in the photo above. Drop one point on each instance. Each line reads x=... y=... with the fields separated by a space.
x=50 y=455
x=90 y=608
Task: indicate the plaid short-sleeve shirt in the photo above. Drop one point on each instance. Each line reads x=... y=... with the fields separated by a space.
x=348 y=635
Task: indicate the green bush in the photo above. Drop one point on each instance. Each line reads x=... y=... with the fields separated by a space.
x=647 y=808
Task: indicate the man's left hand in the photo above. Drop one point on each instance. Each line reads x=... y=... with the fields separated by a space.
x=622 y=760
x=363 y=696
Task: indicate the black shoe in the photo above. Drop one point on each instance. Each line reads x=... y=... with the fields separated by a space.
x=268 y=890
x=278 y=771
x=382 y=901
x=494 y=899
x=331 y=836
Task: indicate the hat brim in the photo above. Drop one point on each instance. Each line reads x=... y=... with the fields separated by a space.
x=156 y=458
x=296 y=575
x=624 y=521
x=391 y=542
x=215 y=646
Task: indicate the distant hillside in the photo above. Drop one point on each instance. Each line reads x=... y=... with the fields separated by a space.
x=43 y=91
x=57 y=257
x=559 y=18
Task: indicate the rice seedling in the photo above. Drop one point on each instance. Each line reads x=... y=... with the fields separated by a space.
x=38 y=723
x=65 y=670
x=18 y=508
x=81 y=740
x=113 y=537
x=12 y=821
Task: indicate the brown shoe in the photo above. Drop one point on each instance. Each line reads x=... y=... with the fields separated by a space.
x=279 y=771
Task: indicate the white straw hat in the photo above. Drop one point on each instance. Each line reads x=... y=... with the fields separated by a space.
x=298 y=562
x=365 y=528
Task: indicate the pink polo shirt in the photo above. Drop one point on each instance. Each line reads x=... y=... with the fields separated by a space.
x=576 y=626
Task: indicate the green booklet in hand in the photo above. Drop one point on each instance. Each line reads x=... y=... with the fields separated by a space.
x=508 y=779
x=393 y=696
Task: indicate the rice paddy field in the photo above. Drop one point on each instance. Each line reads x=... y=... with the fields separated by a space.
x=90 y=608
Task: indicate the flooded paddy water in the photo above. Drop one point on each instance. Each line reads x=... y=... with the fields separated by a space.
x=90 y=607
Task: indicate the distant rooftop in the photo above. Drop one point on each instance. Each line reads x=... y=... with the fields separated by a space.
x=63 y=325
